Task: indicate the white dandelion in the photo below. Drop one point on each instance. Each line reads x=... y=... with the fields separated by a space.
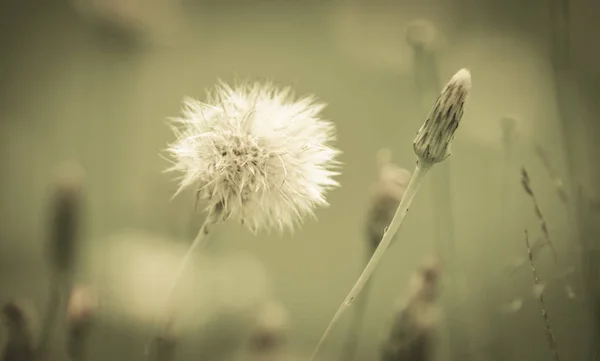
x=255 y=154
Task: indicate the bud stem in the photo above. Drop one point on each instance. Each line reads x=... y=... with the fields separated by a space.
x=418 y=176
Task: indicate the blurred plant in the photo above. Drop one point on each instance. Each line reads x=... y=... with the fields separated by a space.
x=580 y=210
x=163 y=346
x=590 y=252
x=411 y=336
x=575 y=130
x=65 y=218
x=557 y=181
x=269 y=334
x=65 y=214
x=535 y=247
x=254 y=154
x=532 y=251
x=549 y=332
x=526 y=183
x=423 y=37
x=19 y=346
x=431 y=146
x=81 y=308
x=132 y=24
x=386 y=195
x=542 y=241
x=508 y=126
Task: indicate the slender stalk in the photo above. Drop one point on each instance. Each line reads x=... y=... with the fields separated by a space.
x=198 y=242
x=416 y=180
x=161 y=347
x=526 y=183
x=549 y=332
x=353 y=338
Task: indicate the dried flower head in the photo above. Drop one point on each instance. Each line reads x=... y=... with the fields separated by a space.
x=80 y=310
x=432 y=143
x=255 y=153
x=271 y=328
x=14 y=315
x=424 y=283
x=82 y=304
x=411 y=335
x=421 y=34
x=386 y=195
x=19 y=346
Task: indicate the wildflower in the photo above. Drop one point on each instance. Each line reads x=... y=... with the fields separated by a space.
x=256 y=154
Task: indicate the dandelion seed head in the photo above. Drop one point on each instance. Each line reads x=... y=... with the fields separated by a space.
x=255 y=153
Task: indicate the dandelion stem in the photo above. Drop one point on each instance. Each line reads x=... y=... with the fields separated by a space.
x=199 y=241
x=416 y=180
x=161 y=346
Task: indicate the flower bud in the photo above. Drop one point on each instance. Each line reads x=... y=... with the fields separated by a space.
x=432 y=143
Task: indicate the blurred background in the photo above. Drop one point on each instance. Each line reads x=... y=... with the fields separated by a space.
x=92 y=82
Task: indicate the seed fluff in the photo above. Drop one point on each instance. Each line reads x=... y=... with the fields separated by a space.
x=256 y=154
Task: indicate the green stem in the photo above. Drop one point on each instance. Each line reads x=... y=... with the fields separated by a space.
x=199 y=241
x=416 y=180
x=159 y=348
x=353 y=338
